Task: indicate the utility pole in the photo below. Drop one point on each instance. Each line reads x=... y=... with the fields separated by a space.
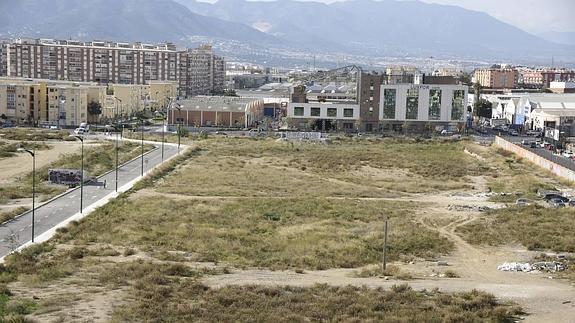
x=384 y=264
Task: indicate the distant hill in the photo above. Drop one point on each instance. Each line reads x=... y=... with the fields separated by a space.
x=567 y=38
x=409 y=28
x=125 y=20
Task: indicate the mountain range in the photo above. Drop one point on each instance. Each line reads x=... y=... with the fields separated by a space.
x=262 y=29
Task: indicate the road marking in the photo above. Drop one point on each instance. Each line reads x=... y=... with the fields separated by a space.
x=21 y=230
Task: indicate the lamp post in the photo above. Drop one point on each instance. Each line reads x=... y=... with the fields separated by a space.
x=33 y=154
x=82 y=171
x=142 y=131
x=61 y=108
x=179 y=107
x=164 y=125
x=117 y=139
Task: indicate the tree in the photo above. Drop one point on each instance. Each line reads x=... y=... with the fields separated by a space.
x=483 y=108
x=94 y=108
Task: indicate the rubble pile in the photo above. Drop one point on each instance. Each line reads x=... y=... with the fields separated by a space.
x=542 y=266
x=461 y=208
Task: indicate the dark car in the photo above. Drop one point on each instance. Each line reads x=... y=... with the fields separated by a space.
x=553 y=196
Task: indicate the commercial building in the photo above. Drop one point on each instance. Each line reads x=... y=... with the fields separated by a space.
x=497 y=77
x=217 y=111
x=533 y=110
x=418 y=106
x=197 y=71
x=369 y=103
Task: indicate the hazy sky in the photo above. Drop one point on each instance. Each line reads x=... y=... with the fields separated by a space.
x=535 y=16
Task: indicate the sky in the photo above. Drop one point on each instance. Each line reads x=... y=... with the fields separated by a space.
x=534 y=16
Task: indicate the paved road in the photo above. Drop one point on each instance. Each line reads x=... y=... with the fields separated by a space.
x=19 y=231
x=565 y=162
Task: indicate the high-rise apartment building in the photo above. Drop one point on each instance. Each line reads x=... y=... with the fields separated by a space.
x=198 y=71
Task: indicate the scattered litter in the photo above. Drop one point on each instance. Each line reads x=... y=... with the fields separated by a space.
x=545 y=266
x=461 y=208
x=566 y=302
x=442 y=263
x=515 y=266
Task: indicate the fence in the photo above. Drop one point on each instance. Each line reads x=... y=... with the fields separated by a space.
x=554 y=168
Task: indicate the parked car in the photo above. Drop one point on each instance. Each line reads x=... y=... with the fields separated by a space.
x=513 y=132
x=552 y=196
x=556 y=203
x=533 y=145
x=572 y=203
x=568 y=154
x=79 y=131
x=54 y=128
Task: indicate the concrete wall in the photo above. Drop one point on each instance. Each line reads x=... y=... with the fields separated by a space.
x=536 y=159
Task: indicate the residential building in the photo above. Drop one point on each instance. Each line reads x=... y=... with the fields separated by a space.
x=370 y=95
x=202 y=72
x=543 y=77
x=497 y=77
x=65 y=103
x=557 y=75
x=197 y=71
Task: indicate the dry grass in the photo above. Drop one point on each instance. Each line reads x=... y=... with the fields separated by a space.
x=273 y=233
x=535 y=227
x=187 y=301
x=380 y=168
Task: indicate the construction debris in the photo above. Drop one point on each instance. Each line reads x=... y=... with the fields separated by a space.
x=463 y=208
x=542 y=266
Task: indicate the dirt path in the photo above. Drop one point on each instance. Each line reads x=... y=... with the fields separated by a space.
x=543 y=298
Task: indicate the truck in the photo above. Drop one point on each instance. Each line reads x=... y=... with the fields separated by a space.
x=70 y=177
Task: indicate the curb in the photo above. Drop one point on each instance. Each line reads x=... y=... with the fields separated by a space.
x=45 y=236
x=69 y=191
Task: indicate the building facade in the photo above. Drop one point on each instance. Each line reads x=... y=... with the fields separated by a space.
x=420 y=105
x=497 y=78
x=198 y=71
x=64 y=103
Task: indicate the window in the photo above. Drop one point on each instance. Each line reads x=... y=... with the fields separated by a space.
x=332 y=112
x=412 y=103
x=348 y=125
x=457 y=105
x=315 y=112
x=434 y=104
x=298 y=111
x=348 y=113
x=389 y=104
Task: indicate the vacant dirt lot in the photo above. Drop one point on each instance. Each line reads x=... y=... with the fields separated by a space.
x=242 y=212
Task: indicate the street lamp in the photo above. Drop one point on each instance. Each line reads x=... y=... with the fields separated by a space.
x=117 y=139
x=33 y=154
x=179 y=107
x=142 y=131
x=82 y=171
x=61 y=108
x=164 y=125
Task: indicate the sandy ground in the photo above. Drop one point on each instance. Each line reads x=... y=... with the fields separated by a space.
x=13 y=167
